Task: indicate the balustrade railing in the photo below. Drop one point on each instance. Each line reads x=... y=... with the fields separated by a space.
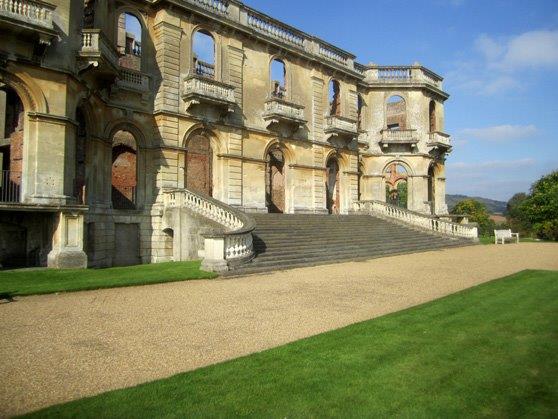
x=201 y=68
x=10 y=184
x=94 y=43
x=416 y=219
x=237 y=241
x=278 y=107
x=133 y=79
x=209 y=88
x=405 y=74
x=333 y=55
x=220 y=7
x=339 y=123
x=435 y=138
x=403 y=136
x=274 y=29
x=36 y=12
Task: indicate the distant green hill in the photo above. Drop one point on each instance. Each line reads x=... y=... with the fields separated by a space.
x=494 y=207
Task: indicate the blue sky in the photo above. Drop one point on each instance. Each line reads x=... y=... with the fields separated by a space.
x=499 y=59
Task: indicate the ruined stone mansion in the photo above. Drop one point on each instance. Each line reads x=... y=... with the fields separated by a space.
x=148 y=131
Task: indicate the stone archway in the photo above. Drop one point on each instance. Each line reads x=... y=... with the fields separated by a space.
x=333 y=195
x=396 y=185
x=275 y=180
x=199 y=165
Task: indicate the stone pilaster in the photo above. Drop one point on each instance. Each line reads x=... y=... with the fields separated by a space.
x=67 y=242
x=167 y=47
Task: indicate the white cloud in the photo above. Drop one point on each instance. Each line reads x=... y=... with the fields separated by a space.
x=500 y=133
x=499 y=62
x=474 y=168
x=532 y=49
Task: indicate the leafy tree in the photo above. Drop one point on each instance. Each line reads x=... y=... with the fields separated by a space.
x=541 y=207
x=477 y=213
x=515 y=213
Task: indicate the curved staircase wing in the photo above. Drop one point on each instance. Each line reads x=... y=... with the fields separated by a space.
x=230 y=245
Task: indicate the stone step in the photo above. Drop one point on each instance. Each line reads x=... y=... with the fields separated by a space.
x=285 y=241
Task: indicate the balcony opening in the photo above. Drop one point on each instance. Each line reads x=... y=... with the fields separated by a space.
x=278 y=79
x=334 y=96
x=81 y=138
x=124 y=170
x=89 y=14
x=203 y=48
x=199 y=165
x=396 y=176
x=432 y=116
x=129 y=39
x=11 y=144
x=396 y=113
x=275 y=180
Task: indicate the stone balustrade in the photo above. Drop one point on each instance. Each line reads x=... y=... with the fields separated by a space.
x=220 y=7
x=333 y=55
x=277 y=110
x=425 y=222
x=340 y=124
x=133 y=80
x=399 y=136
x=437 y=138
x=404 y=75
x=274 y=29
x=35 y=12
x=95 y=45
x=232 y=246
x=198 y=89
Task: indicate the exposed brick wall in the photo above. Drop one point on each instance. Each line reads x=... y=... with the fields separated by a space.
x=124 y=177
x=396 y=114
x=16 y=156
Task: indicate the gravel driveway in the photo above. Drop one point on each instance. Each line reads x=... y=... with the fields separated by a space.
x=56 y=348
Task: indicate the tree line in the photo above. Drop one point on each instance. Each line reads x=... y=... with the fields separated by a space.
x=531 y=215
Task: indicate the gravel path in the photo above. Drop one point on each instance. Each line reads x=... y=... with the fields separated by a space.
x=57 y=348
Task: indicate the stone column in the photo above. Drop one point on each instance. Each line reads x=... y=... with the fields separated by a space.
x=67 y=242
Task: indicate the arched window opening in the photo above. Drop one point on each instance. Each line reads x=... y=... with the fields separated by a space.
x=333 y=196
x=278 y=79
x=169 y=241
x=129 y=39
x=11 y=144
x=334 y=94
x=203 y=54
x=396 y=113
x=275 y=180
x=199 y=165
x=360 y=106
x=396 y=185
x=124 y=170
x=432 y=116
x=80 y=174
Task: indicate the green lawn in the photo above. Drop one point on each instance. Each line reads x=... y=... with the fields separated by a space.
x=488 y=351
x=46 y=281
x=490 y=240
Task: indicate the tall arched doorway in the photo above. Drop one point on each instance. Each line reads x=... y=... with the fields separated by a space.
x=11 y=144
x=199 y=159
x=396 y=185
x=80 y=171
x=124 y=176
x=275 y=180
x=333 y=197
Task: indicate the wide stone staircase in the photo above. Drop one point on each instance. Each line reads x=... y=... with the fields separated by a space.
x=290 y=241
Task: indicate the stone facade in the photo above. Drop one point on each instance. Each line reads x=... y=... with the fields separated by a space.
x=111 y=120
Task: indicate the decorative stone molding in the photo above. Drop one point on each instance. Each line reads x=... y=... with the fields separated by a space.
x=30 y=16
x=401 y=136
x=278 y=111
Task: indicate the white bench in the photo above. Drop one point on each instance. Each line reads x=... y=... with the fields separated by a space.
x=500 y=236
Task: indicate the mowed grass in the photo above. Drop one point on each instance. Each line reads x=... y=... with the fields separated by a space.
x=488 y=351
x=45 y=281
x=490 y=240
